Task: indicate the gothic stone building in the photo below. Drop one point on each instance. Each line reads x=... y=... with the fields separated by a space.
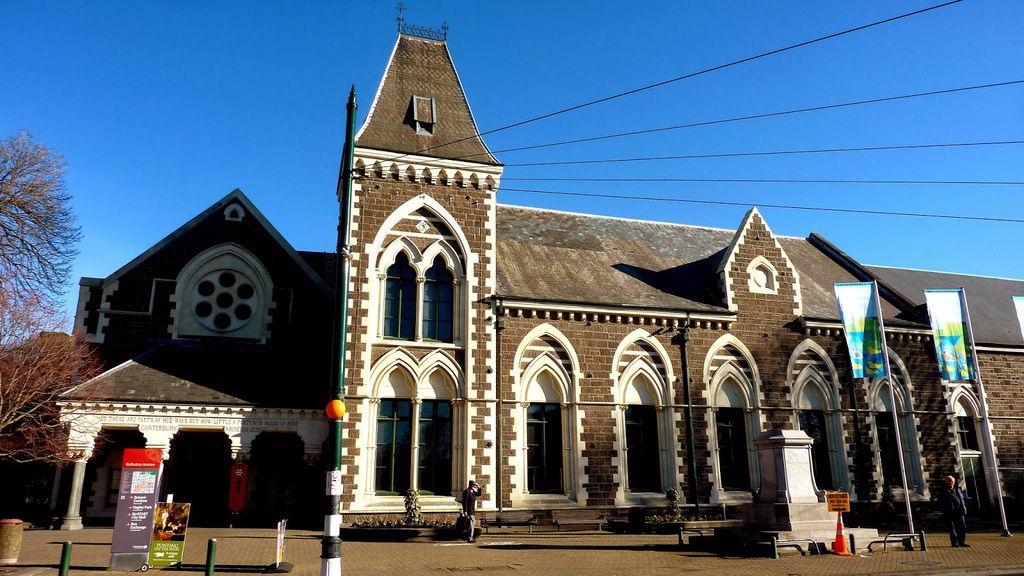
x=539 y=352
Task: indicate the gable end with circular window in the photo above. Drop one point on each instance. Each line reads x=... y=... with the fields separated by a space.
x=223 y=292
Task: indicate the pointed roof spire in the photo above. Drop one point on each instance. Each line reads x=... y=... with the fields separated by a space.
x=420 y=106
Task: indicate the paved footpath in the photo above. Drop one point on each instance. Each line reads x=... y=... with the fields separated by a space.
x=517 y=553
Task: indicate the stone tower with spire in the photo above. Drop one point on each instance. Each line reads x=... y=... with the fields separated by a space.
x=420 y=391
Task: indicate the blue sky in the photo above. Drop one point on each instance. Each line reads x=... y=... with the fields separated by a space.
x=161 y=108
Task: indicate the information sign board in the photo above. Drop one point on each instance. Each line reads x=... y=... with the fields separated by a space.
x=136 y=502
x=838 y=501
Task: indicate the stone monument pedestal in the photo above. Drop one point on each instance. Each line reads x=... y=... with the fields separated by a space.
x=789 y=505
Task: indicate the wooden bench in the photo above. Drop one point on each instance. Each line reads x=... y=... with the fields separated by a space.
x=509 y=518
x=579 y=518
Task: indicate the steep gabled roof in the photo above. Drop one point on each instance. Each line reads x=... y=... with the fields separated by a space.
x=238 y=196
x=588 y=260
x=423 y=67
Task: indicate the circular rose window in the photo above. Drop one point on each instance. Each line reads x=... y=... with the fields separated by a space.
x=224 y=300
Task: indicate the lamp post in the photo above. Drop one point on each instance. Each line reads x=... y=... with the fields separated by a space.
x=330 y=555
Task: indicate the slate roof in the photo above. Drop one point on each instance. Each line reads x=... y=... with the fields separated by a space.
x=422 y=67
x=563 y=257
x=206 y=372
x=576 y=258
x=990 y=299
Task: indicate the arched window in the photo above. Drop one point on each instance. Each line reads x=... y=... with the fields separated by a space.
x=971 y=455
x=400 y=299
x=394 y=445
x=885 y=432
x=434 y=438
x=814 y=422
x=643 y=450
x=544 y=436
x=437 y=302
x=732 y=436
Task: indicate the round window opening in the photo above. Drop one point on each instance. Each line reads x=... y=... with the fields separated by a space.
x=224 y=300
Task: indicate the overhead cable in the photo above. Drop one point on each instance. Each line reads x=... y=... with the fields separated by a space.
x=748 y=117
x=772 y=181
x=769 y=153
x=763 y=205
x=688 y=76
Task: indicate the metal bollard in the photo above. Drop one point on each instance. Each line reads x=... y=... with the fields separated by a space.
x=853 y=544
x=775 y=547
x=211 y=556
x=924 y=543
x=65 y=559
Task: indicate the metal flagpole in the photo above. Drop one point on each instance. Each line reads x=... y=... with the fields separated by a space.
x=895 y=413
x=330 y=555
x=986 y=426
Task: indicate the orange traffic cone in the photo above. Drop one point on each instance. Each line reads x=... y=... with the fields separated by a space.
x=839 y=546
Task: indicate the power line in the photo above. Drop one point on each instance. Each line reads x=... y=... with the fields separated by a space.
x=687 y=76
x=773 y=181
x=768 y=153
x=779 y=206
x=748 y=117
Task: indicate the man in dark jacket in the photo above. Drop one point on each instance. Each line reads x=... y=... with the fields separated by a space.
x=953 y=504
x=469 y=496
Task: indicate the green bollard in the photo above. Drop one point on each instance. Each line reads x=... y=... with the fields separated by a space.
x=65 y=559
x=211 y=555
x=924 y=543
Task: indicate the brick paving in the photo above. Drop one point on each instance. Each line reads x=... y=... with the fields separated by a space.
x=519 y=553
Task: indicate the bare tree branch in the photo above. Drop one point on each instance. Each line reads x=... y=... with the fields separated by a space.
x=38 y=230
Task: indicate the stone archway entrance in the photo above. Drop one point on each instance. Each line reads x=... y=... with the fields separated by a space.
x=103 y=473
x=278 y=479
x=197 y=472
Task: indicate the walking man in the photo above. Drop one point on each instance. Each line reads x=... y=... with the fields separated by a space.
x=953 y=503
x=469 y=496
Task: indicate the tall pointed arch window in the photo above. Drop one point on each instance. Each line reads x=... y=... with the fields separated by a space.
x=640 y=426
x=731 y=428
x=438 y=289
x=888 y=416
x=400 y=299
x=971 y=456
x=814 y=421
x=394 y=445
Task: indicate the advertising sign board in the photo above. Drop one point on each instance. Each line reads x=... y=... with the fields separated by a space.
x=169 y=529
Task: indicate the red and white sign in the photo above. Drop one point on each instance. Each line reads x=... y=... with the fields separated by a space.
x=237 y=490
x=136 y=501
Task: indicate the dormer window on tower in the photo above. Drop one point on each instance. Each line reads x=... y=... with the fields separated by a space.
x=424 y=114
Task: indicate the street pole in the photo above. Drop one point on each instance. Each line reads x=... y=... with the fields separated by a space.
x=895 y=412
x=330 y=555
x=986 y=423
x=691 y=443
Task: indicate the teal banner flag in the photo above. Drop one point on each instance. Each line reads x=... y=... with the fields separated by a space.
x=948 y=312
x=1018 y=301
x=861 y=315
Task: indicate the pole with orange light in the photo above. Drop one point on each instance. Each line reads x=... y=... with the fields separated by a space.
x=330 y=555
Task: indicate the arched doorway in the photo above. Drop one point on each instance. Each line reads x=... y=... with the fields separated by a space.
x=277 y=474
x=197 y=473
x=103 y=473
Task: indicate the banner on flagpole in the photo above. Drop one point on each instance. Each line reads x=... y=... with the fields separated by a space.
x=1018 y=301
x=947 y=311
x=861 y=316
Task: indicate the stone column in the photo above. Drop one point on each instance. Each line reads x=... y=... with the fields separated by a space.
x=73 y=518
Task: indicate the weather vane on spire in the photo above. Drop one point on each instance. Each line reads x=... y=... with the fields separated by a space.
x=410 y=30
